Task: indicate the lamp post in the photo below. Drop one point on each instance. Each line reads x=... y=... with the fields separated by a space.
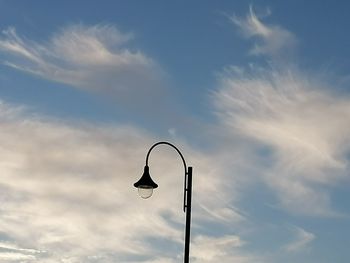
x=146 y=185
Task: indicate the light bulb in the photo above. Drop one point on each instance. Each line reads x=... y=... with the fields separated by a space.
x=145 y=191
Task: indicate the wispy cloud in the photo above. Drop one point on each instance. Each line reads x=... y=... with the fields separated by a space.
x=209 y=249
x=12 y=252
x=303 y=238
x=273 y=40
x=304 y=126
x=95 y=58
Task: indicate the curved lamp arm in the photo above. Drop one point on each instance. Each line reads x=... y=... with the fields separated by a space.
x=183 y=160
x=170 y=144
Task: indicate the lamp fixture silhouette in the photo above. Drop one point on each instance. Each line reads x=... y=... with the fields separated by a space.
x=146 y=185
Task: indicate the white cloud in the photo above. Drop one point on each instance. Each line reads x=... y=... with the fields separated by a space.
x=209 y=249
x=302 y=239
x=66 y=191
x=12 y=256
x=11 y=252
x=303 y=125
x=274 y=40
x=96 y=58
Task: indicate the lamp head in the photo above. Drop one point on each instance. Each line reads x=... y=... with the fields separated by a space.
x=145 y=185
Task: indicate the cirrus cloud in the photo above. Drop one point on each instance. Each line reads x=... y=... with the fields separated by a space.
x=303 y=127
x=302 y=240
x=273 y=40
x=94 y=58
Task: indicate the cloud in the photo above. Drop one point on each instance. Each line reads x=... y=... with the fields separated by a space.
x=96 y=58
x=303 y=239
x=209 y=249
x=66 y=193
x=11 y=252
x=273 y=40
x=294 y=123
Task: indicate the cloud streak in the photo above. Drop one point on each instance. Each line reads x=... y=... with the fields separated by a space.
x=273 y=40
x=11 y=252
x=303 y=239
x=96 y=58
x=303 y=128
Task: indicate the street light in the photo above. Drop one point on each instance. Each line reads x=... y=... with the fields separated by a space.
x=146 y=185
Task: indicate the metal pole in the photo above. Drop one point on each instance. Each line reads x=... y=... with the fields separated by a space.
x=188 y=214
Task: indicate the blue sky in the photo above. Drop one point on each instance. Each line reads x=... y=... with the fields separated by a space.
x=256 y=96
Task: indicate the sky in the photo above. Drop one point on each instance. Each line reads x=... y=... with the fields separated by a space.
x=255 y=95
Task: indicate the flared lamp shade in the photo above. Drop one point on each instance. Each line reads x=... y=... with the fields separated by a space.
x=145 y=185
